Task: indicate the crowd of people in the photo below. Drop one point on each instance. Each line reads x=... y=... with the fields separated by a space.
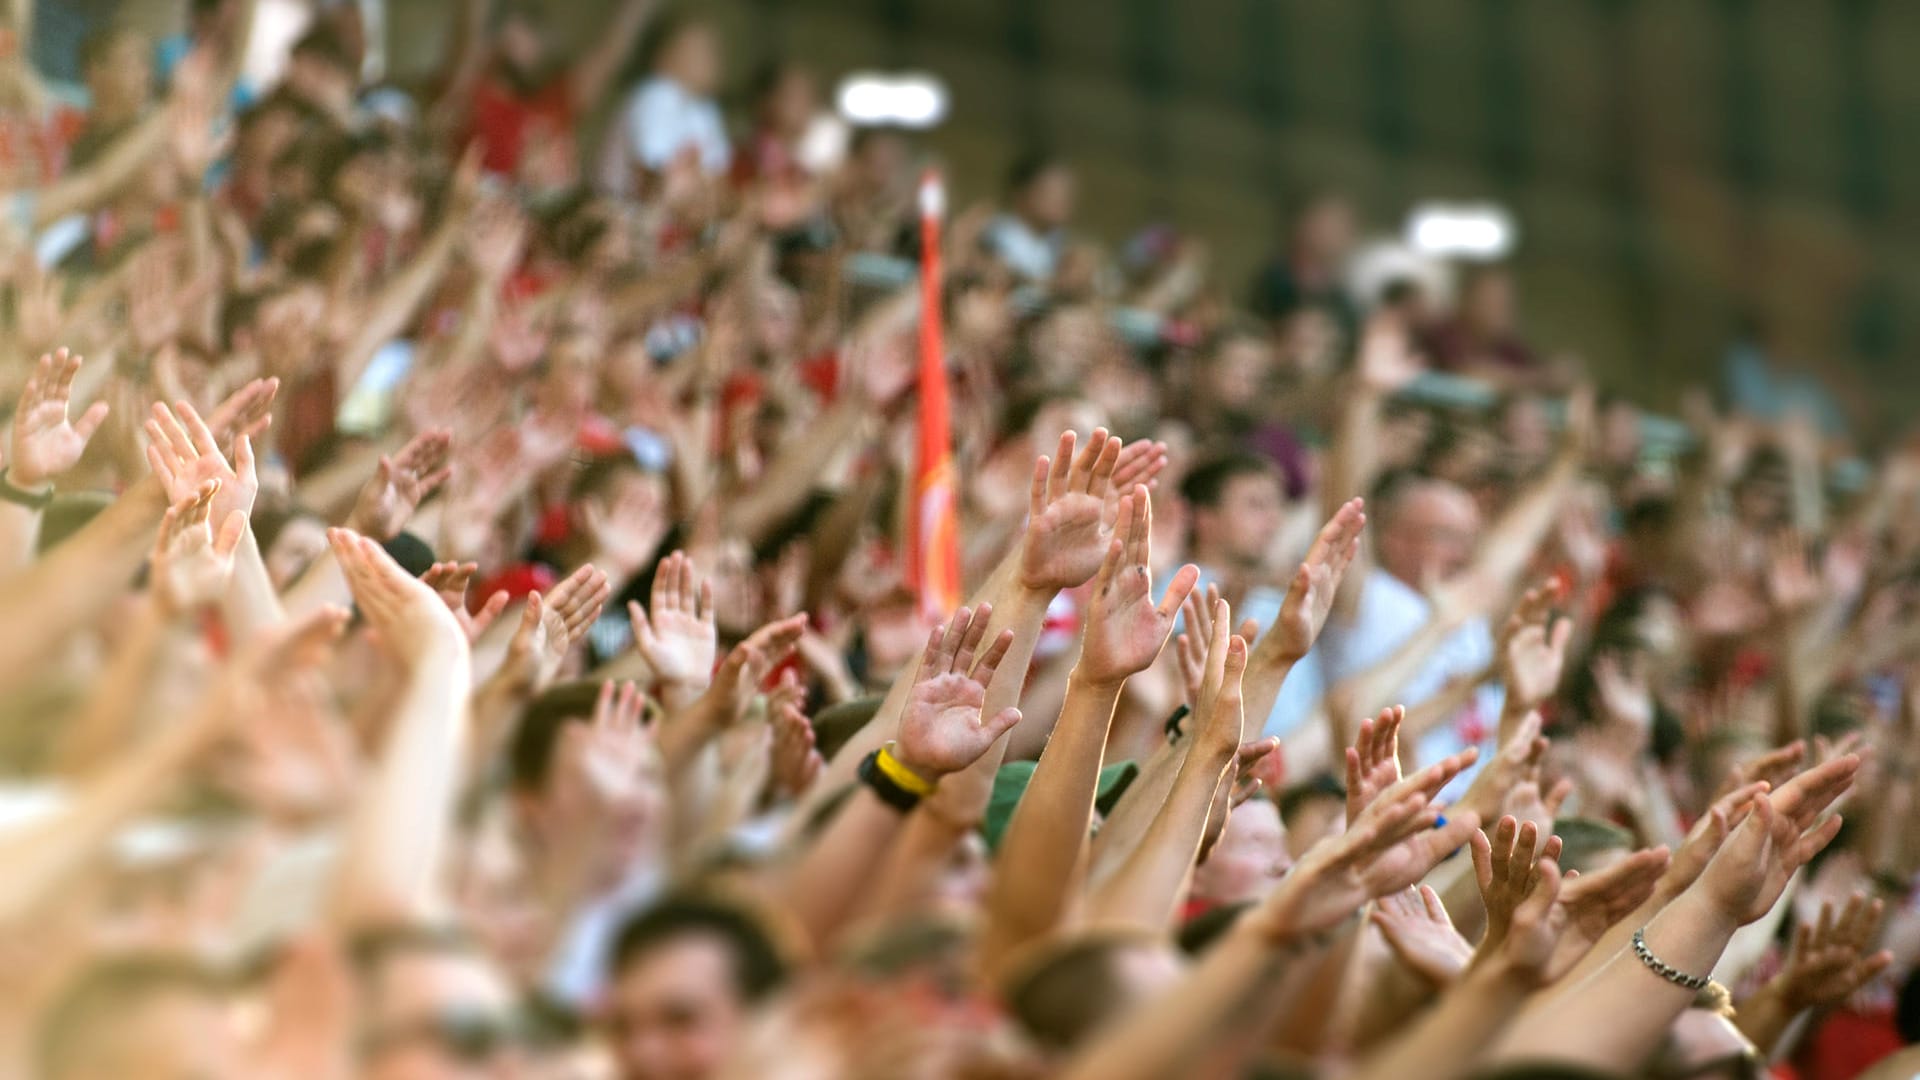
x=460 y=620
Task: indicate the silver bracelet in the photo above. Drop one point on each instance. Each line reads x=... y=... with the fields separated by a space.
x=1660 y=967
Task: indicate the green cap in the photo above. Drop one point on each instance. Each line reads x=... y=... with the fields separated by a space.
x=1011 y=782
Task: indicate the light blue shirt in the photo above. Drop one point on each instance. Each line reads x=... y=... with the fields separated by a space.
x=658 y=121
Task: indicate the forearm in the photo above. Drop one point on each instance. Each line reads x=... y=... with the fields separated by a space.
x=1447 y=1040
x=822 y=886
x=1045 y=844
x=1262 y=684
x=1146 y=889
x=397 y=839
x=82 y=192
x=251 y=604
x=107 y=722
x=398 y=300
x=1510 y=543
x=795 y=469
x=1137 y=810
x=19 y=535
x=1614 y=1019
x=1765 y=1017
x=76 y=581
x=1379 y=686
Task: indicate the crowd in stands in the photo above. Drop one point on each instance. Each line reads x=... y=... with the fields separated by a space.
x=459 y=619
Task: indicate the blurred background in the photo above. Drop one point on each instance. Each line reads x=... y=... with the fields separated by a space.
x=1684 y=177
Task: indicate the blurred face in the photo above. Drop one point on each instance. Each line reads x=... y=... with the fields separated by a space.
x=1048 y=201
x=1249 y=857
x=1239 y=374
x=1430 y=535
x=521 y=46
x=692 y=59
x=1524 y=429
x=881 y=163
x=1313 y=821
x=794 y=100
x=1488 y=304
x=675 y=1011
x=1238 y=530
x=1326 y=230
x=121 y=81
x=440 y=1015
x=1620 y=434
x=299 y=542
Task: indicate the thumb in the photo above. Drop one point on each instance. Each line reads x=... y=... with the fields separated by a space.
x=1003 y=721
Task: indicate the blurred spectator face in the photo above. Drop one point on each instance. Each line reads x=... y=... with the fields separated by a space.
x=1074 y=414
x=1309 y=342
x=1313 y=820
x=1487 y=304
x=880 y=161
x=522 y=48
x=791 y=102
x=676 y=1010
x=1238 y=375
x=1249 y=857
x=300 y=541
x=1620 y=433
x=1047 y=202
x=1524 y=429
x=1429 y=533
x=120 y=76
x=692 y=59
x=440 y=1014
x=1238 y=530
x=1325 y=230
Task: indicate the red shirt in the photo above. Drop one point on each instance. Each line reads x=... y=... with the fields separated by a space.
x=505 y=124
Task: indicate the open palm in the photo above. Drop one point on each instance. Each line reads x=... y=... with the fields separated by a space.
x=942 y=729
x=1309 y=600
x=1066 y=514
x=1125 y=629
x=183 y=454
x=46 y=441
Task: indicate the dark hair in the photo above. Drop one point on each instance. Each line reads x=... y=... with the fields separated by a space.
x=1318 y=786
x=1207 y=483
x=370 y=948
x=81 y=1022
x=1065 y=995
x=758 y=967
x=325 y=44
x=530 y=753
x=1029 y=167
x=1199 y=933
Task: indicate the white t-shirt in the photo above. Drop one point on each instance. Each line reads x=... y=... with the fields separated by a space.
x=660 y=118
x=1391 y=613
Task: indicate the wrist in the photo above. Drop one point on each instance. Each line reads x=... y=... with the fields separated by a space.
x=1100 y=683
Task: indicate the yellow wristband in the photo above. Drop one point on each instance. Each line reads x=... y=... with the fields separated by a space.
x=906 y=779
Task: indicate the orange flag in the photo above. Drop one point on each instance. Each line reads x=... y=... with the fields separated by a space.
x=933 y=541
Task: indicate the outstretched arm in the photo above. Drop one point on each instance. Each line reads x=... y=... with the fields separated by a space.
x=398 y=835
x=1125 y=632
x=595 y=71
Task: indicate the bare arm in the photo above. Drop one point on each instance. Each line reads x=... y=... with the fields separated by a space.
x=595 y=71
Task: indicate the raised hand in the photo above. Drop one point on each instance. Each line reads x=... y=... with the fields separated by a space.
x=1303 y=614
x=1623 y=691
x=1125 y=628
x=409 y=616
x=450 y=580
x=46 y=442
x=538 y=647
x=1373 y=761
x=677 y=639
x=1066 y=514
x=400 y=484
x=1531 y=657
x=1221 y=715
x=796 y=764
x=617 y=745
x=1517 y=761
x=749 y=664
x=1390 y=847
x=247 y=411
x=1503 y=865
x=182 y=451
x=191 y=565
x=627 y=531
x=1417 y=927
x=578 y=600
x=1747 y=875
x=942 y=730
x=1828 y=961
x=1590 y=904
x=1190 y=645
